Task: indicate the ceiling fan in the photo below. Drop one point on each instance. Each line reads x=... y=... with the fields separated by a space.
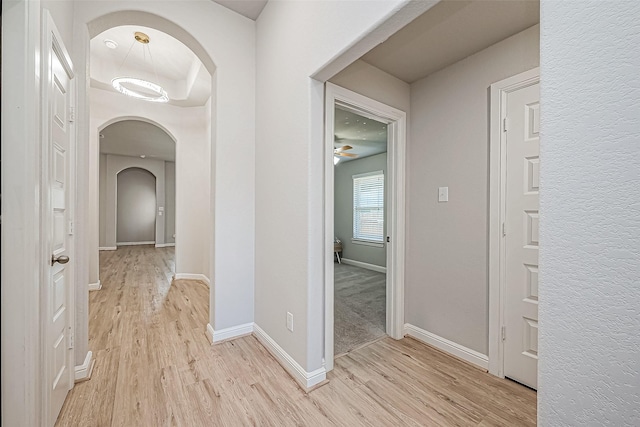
x=341 y=151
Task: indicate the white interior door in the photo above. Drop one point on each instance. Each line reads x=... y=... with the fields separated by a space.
x=521 y=239
x=58 y=364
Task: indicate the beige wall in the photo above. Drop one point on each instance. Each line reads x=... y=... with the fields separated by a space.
x=447 y=255
x=169 y=202
x=102 y=199
x=374 y=83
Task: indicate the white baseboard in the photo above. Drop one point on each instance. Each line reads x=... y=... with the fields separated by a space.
x=447 y=346
x=107 y=248
x=150 y=242
x=165 y=245
x=209 y=333
x=226 y=334
x=366 y=265
x=83 y=372
x=192 y=276
x=306 y=380
x=95 y=286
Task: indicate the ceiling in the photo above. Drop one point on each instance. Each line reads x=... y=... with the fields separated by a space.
x=172 y=65
x=135 y=138
x=249 y=8
x=367 y=137
x=448 y=32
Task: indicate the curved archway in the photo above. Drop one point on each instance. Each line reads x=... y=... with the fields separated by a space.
x=136 y=167
x=225 y=44
x=119 y=119
x=135 y=206
x=120 y=150
x=151 y=20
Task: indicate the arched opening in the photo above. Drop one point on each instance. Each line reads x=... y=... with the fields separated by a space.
x=127 y=144
x=135 y=207
x=186 y=74
x=203 y=142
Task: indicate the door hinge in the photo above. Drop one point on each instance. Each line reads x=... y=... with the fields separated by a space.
x=505 y=124
x=72 y=114
x=388 y=239
x=503 y=333
x=504 y=230
x=70 y=339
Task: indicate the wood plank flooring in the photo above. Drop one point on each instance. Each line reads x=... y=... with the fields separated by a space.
x=155 y=367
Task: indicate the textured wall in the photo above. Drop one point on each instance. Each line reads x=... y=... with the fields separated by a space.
x=589 y=369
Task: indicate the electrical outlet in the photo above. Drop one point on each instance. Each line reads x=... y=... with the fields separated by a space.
x=290 y=321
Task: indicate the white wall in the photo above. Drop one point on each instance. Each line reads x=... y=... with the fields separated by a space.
x=188 y=127
x=343 y=207
x=225 y=42
x=447 y=251
x=294 y=41
x=136 y=206
x=589 y=369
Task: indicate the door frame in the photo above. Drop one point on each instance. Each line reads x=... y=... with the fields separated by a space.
x=396 y=121
x=21 y=266
x=497 y=209
x=52 y=42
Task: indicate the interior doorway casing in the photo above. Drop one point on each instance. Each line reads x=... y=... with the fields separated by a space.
x=497 y=211
x=396 y=121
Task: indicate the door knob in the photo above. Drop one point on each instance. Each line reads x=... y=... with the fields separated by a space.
x=62 y=259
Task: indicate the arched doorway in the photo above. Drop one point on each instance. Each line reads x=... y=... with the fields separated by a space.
x=231 y=107
x=135 y=207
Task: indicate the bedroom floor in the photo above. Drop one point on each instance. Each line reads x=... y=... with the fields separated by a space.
x=359 y=307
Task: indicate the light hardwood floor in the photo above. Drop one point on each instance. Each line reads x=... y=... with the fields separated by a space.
x=155 y=367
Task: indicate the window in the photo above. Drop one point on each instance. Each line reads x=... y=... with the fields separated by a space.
x=368 y=207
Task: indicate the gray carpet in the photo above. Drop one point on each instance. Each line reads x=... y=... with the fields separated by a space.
x=359 y=307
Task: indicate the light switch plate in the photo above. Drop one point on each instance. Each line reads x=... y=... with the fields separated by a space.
x=289 y=321
x=443 y=194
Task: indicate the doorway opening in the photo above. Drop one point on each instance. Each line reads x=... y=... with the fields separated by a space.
x=364 y=220
x=136 y=207
x=360 y=205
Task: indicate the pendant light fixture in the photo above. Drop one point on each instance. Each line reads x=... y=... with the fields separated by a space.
x=140 y=88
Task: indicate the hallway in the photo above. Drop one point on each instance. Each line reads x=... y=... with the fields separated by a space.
x=154 y=367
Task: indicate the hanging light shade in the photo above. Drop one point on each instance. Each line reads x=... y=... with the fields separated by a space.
x=143 y=89
x=140 y=88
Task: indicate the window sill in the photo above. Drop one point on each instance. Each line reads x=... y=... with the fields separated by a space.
x=367 y=243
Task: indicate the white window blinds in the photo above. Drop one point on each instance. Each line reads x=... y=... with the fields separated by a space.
x=368 y=206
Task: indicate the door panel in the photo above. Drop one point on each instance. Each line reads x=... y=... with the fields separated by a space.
x=522 y=228
x=57 y=293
